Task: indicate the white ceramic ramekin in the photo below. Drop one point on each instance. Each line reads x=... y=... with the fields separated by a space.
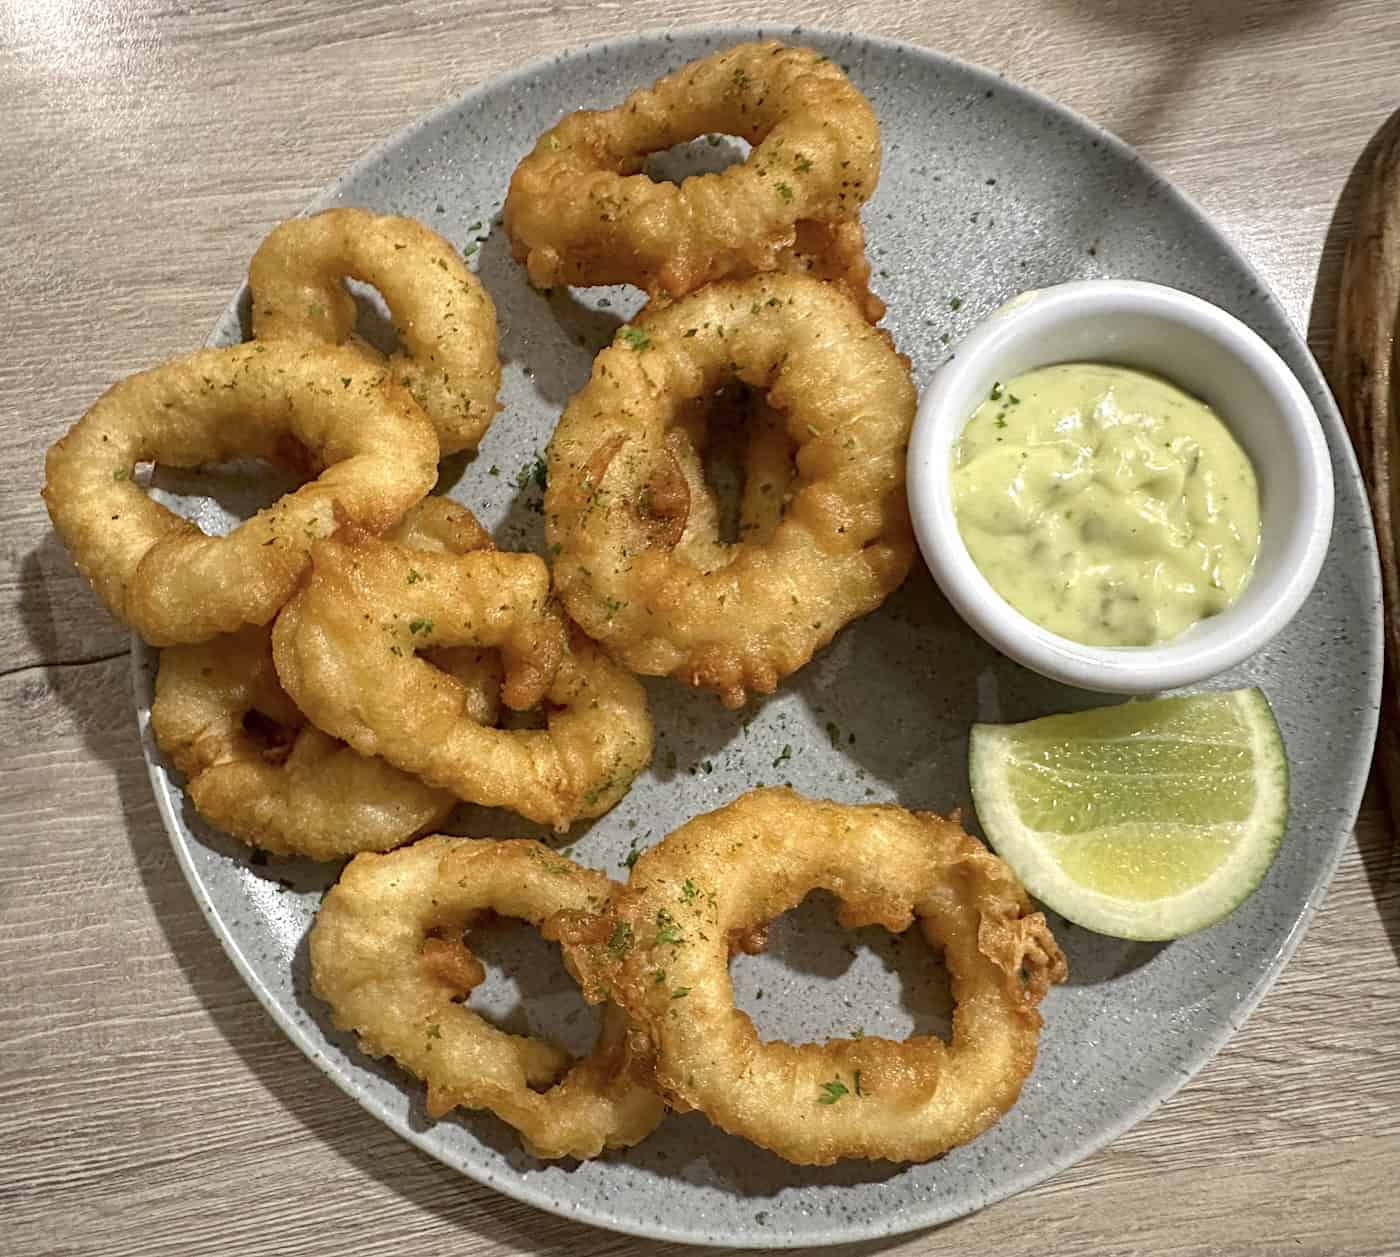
x=1198 y=347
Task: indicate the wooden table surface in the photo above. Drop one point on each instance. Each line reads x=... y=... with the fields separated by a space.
x=147 y=1103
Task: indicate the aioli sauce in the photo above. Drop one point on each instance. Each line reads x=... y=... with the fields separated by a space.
x=1105 y=504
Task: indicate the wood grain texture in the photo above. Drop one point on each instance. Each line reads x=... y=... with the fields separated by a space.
x=147 y=1104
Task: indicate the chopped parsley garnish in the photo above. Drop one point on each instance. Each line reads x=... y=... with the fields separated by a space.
x=414 y=576
x=784 y=191
x=680 y=992
x=833 y=1091
x=635 y=337
x=538 y=471
x=688 y=890
x=784 y=755
x=955 y=303
x=421 y=625
x=621 y=941
x=996 y=391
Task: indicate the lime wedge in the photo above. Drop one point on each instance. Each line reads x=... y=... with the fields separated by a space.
x=1148 y=820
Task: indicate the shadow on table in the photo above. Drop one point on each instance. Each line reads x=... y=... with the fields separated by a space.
x=1181 y=35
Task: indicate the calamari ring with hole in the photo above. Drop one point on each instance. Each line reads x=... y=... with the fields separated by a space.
x=158 y=572
x=259 y=770
x=445 y=319
x=388 y=956
x=347 y=652
x=579 y=210
x=619 y=497
x=813 y=1104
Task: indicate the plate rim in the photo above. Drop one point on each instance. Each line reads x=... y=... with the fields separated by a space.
x=929 y=1215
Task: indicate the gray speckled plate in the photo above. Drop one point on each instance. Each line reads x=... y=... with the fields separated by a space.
x=987 y=190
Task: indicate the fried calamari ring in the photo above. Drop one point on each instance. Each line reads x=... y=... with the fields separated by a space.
x=620 y=495
x=346 y=651
x=580 y=212
x=445 y=319
x=388 y=956
x=258 y=769
x=835 y=252
x=161 y=574
x=755 y=859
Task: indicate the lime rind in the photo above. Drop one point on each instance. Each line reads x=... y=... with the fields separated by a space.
x=993 y=750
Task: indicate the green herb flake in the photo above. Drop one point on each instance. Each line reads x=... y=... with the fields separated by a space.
x=434 y=1031
x=713 y=140
x=784 y=755
x=996 y=391
x=421 y=625
x=833 y=731
x=784 y=191
x=833 y=1091
x=635 y=338
x=955 y=303
x=621 y=941
x=689 y=890
x=121 y=473
x=493 y=470
x=680 y=992
x=414 y=576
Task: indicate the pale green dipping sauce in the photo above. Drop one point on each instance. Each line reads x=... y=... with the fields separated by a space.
x=1105 y=504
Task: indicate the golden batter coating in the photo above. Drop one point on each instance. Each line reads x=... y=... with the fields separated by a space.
x=388 y=955
x=580 y=211
x=637 y=565
x=813 y=1104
